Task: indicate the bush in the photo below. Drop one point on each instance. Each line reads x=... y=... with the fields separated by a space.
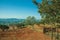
x=4 y=27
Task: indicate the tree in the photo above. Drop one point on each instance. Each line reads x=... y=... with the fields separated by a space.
x=30 y=20
x=49 y=10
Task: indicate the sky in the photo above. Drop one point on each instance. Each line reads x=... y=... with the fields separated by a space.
x=18 y=9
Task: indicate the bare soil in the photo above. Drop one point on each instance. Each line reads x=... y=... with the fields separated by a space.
x=23 y=34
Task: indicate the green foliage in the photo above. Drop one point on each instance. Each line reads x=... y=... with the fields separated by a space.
x=49 y=11
x=20 y=25
x=30 y=20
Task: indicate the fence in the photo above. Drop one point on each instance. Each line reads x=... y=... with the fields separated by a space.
x=52 y=32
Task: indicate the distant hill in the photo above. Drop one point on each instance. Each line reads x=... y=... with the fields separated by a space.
x=10 y=20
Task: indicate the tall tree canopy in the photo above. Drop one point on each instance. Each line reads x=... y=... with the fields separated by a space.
x=49 y=10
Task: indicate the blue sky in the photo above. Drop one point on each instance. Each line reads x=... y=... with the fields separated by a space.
x=18 y=9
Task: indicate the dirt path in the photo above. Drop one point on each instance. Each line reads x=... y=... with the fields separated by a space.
x=25 y=34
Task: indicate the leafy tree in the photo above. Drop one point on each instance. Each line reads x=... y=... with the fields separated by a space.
x=30 y=20
x=49 y=11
